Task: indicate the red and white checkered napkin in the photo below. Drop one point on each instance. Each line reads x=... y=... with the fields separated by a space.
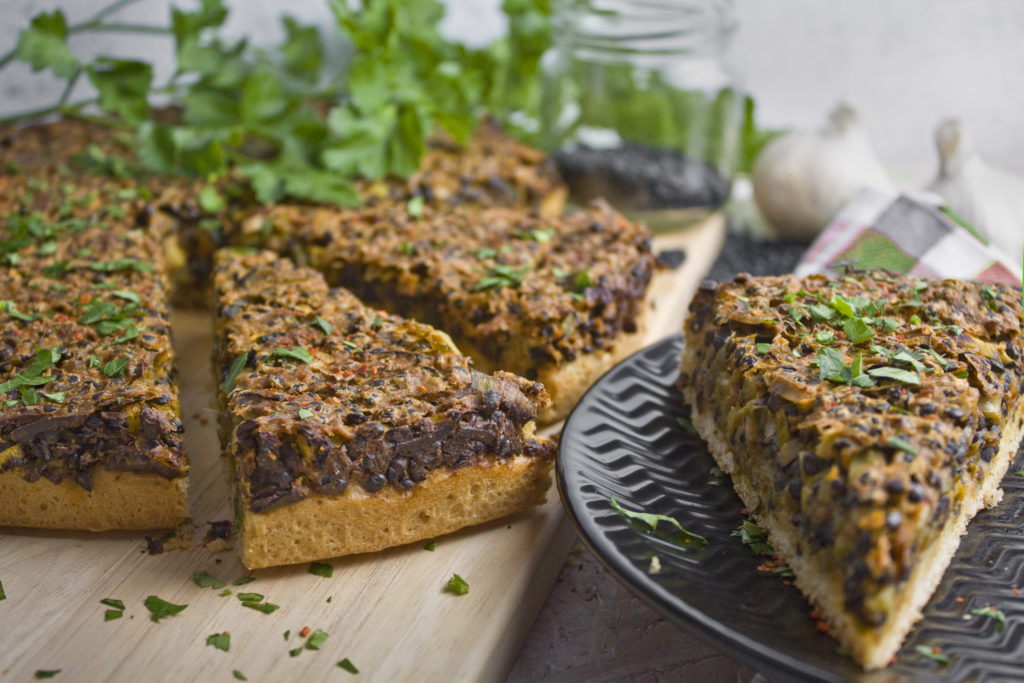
x=906 y=234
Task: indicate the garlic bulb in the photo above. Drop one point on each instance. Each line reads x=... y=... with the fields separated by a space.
x=802 y=179
x=990 y=199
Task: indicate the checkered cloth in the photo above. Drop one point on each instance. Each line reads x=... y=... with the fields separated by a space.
x=908 y=235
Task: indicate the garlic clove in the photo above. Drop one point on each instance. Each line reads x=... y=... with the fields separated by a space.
x=990 y=199
x=801 y=179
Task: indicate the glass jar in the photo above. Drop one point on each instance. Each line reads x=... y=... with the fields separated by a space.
x=640 y=108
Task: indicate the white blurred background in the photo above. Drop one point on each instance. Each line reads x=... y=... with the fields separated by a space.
x=904 y=65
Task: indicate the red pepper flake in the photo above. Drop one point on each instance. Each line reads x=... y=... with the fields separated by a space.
x=936 y=650
x=744 y=511
x=1016 y=591
x=959 y=598
x=422 y=389
x=305 y=631
x=203 y=421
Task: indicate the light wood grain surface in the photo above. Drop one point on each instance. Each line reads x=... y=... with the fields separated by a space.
x=388 y=612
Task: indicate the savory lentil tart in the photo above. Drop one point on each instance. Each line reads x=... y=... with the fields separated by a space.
x=90 y=436
x=554 y=299
x=864 y=422
x=350 y=430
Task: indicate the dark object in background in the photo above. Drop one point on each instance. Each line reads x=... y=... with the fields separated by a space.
x=636 y=177
x=742 y=253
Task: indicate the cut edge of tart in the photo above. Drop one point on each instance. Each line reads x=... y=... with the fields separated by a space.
x=376 y=434
x=846 y=505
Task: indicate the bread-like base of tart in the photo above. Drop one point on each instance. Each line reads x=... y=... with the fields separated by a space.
x=356 y=521
x=118 y=500
x=872 y=648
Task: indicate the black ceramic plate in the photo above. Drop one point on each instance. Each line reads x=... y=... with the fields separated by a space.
x=624 y=441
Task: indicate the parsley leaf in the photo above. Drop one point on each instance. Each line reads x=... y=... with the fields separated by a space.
x=316 y=639
x=47 y=673
x=159 y=609
x=204 y=579
x=348 y=666
x=12 y=310
x=327 y=327
x=900 y=444
x=221 y=641
x=112 y=602
x=239 y=675
x=991 y=612
x=857 y=331
x=458 y=585
x=299 y=353
x=237 y=365
x=754 y=538
x=652 y=519
x=115 y=368
x=265 y=607
x=930 y=653
x=321 y=569
x=898 y=374
x=44 y=45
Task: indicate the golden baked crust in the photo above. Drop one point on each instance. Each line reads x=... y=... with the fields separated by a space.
x=333 y=408
x=864 y=422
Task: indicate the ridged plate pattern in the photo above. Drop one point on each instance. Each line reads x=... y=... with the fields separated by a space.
x=624 y=441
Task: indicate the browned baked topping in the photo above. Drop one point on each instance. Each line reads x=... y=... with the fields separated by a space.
x=319 y=391
x=864 y=411
x=86 y=359
x=516 y=290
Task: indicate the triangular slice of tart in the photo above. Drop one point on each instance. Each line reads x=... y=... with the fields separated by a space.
x=864 y=422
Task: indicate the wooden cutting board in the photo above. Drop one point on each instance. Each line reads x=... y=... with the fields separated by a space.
x=388 y=613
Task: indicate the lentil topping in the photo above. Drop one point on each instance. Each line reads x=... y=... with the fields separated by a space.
x=517 y=290
x=863 y=413
x=319 y=391
x=86 y=360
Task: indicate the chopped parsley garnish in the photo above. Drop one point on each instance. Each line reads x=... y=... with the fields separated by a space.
x=47 y=673
x=350 y=344
x=930 y=653
x=127 y=295
x=111 y=614
x=686 y=425
x=316 y=639
x=832 y=367
x=12 y=310
x=287 y=634
x=537 y=235
x=414 y=207
x=322 y=569
x=485 y=253
x=210 y=200
x=158 y=609
x=348 y=666
x=991 y=612
x=898 y=374
x=295 y=653
x=458 y=585
x=377 y=322
x=265 y=607
x=652 y=519
x=430 y=545
x=304 y=414
x=250 y=597
x=717 y=476
x=501 y=276
x=242 y=580
x=204 y=579
x=93 y=361
x=754 y=538
x=299 y=353
x=221 y=641
x=112 y=602
x=57 y=269
x=900 y=444
x=961 y=374
x=857 y=331
x=327 y=327
x=115 y=367
x=224 y=593
x=820 y=312
x=763 y=347
x=237 y=364
x=826 y=337
x=239 y=675
x=44 y=360
x=122 y=264
x=3 y=596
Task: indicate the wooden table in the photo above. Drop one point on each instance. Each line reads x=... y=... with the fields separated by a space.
x=388 y=613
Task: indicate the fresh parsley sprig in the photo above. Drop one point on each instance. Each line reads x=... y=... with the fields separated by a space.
x=289 y=122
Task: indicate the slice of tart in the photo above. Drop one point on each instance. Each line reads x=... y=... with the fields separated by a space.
x=557 y=300
x=90 y=435
x=350 y=430
x=864 y=422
